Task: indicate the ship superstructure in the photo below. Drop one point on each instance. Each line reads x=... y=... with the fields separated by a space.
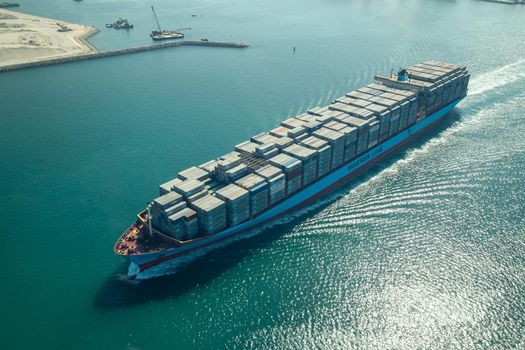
x=278 y=171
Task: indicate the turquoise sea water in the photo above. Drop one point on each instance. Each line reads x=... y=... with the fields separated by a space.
x=427 y=250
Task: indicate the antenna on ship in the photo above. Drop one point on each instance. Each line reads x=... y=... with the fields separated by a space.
x=149 y=217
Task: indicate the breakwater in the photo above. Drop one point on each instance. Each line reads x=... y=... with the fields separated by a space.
x=507 y=2
x=96 y=55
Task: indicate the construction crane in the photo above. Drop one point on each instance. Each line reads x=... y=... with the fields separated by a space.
x=156 y=19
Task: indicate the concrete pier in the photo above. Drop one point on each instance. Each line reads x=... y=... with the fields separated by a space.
x=95 y=55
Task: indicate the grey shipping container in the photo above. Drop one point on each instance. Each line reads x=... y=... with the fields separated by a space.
x=182 y=225
x=258 y=189
x=189 y=187
x=168 y=186
x=237 y=201
x=337 y=143
x=324 y=153
x=350 y=151
x=211 y=212
x=394 y=121
x=193 y=173
x=276 y=182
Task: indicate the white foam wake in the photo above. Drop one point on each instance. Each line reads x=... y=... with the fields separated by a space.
x=505 y=75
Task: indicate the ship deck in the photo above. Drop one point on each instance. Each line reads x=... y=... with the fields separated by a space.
x=136 y=240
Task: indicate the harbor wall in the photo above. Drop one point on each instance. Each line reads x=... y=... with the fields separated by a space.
x=96 y=55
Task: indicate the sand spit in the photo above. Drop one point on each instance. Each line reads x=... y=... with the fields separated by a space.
x=25 y=38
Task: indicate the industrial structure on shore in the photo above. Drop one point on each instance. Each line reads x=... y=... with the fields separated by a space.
x=278 y=171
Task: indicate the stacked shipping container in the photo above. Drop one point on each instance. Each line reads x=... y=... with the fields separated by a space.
x=271 y=166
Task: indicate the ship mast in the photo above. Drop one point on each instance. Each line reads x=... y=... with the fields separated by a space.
x=149 y=217
x=156 y=19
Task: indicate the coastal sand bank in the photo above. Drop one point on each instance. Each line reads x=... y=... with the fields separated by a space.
x=25 y=38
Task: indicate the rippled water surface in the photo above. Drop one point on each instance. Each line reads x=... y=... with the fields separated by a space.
x=425 y=251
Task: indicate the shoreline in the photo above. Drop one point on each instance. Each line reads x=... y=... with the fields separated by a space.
x=28 y=39
x=84 y=38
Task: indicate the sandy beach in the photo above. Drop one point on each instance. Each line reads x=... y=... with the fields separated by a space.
x=25 y=38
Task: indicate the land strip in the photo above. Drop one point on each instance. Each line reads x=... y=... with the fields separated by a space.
x=30 y=39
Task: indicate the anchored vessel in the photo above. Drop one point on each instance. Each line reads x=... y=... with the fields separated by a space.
x=160 y=34
x=279 y=171
x=121 y=23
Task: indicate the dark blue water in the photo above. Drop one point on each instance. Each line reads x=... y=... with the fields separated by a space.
x=427 y=250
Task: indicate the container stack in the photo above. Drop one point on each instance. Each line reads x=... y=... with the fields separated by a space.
x=308 y=122
x=170 y=215
x=188 y=188
x=280 y=131
x=237 y=201
x=412 y=111
x=164 y=206
x=265 y=138
x=455 y=77
x=276 y=182
x=312 y=126
x=336 y=140
x=196 y=196
x=363 y=131
x=324 y=153
x=350 y=138
x=258 y=189
x=209 y=166
x=324 y=114
x=229 y=168
x=343 y=108
x=293 y=123
x=402 y=96
x=369 y=115
x=297 y=133
x=246 y=146
x=440 y=83
x=193 y=173
x=404 y=105
x=373 y=134
x=168 y=186
x=292 y=169
x=236 y=173
x=263 y=171
x=382 y=114
x=211 y=212
x=309 y=159
x=266 y=150
x=183 y=225
x=395 y=112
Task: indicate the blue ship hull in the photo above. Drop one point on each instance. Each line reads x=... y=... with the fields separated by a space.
x=155 y=264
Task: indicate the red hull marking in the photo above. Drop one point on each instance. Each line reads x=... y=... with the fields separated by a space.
x=325 y=191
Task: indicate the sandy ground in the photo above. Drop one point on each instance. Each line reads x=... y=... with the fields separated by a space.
x=25 y=38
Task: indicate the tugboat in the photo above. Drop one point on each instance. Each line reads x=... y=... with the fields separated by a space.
x=121 y=23
x=160 y=34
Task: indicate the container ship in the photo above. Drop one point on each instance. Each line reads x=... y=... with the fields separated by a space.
x=276 y=172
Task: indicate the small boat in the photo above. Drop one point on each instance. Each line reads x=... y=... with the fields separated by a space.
x=121 y=23
x=160 y=34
